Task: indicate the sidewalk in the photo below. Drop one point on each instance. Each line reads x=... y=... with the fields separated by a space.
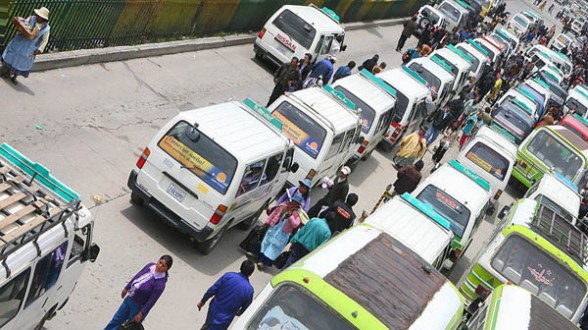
x=79 y=57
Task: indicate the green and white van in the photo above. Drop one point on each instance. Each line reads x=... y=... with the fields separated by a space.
x=511 y=307
x=376 y=100
x=417 y=226
x=461 y=197
x=551 y=148
x=538 y=250
x=374 y=283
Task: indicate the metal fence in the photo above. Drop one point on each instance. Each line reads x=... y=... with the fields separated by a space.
x=78 y=24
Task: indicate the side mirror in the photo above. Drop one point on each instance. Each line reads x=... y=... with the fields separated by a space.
x=92 y=253
x=294 y=167
x=343 y=48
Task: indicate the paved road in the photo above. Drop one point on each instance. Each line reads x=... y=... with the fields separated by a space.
x=89 y=125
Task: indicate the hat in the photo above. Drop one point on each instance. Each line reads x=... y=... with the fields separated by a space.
x=332 y=58
x=42 y=12
x=345 y=170
x=297 y=199
x=306 y=182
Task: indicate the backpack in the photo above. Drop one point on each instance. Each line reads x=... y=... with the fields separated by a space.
x=407 y=55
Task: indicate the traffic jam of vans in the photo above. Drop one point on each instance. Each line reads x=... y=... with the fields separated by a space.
x=214 y=168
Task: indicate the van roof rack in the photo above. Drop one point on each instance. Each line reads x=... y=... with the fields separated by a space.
x=41 y=209
x=561 y=233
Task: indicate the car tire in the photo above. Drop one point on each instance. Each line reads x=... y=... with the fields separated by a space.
x=207 y=246
x=424 y=22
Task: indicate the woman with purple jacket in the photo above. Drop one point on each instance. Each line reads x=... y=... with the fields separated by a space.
x=141 y=293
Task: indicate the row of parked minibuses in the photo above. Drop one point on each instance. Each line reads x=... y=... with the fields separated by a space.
x=215 y=167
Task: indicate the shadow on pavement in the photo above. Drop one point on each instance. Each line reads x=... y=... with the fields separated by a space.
x=19 y=87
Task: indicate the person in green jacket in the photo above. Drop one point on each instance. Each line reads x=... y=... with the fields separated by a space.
x=312 y=235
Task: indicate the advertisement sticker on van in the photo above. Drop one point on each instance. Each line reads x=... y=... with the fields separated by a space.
x=195 y=163
x=480 y=150
x=298 y=136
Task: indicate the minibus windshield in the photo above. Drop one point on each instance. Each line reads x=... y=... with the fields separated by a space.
x=474 y=60
x=293 y=307
x=306 y=133
x=575 y=106
x=528 y=266
x=428 y=76
x=451 y=12
x=488 y=160
x=367 y=113
x=200 y=155
x=448 y=207
x=296 y=28
x=555 y=154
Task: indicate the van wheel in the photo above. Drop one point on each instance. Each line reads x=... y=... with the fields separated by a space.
x=247 y=224
x=135 y=199
x=208 y=245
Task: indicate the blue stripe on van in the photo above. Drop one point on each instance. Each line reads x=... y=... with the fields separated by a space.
x=378 y=81
x=427 y=210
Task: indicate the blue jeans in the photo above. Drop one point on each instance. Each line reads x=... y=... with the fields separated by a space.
x=265 y=260
x=431 y=135
x=127 y=311
x=297 y=252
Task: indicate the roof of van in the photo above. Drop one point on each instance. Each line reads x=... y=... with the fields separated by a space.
x=407 y=286
x=324 y=107
x=449 y=55
x=497 y=140
x=459 y=186
x=404 y=83
x=522 y=98
x=560 y=192
x=517 y=308
x=473 y=50
x=412 y=227
x=242 y=135
x=315 y=17
x=434 y=68
x=359 y=86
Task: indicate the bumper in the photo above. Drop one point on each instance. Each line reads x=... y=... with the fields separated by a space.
x=266 y=55
x=165 y=213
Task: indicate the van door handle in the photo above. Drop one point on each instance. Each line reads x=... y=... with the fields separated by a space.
x=181 y=185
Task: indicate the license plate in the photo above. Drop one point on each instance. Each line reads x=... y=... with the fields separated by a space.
x=175 y=192
x=282 y=49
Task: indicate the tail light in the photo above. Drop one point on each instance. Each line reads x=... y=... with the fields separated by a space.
x=261 y=33
x=396 y=133
x=143 y=158
x=362 y=147
x=311 y=174
x=218 y=214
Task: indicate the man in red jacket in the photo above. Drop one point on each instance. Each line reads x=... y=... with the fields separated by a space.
x=408 y=178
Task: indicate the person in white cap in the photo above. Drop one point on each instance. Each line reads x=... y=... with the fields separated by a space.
x=19 y=55
x=337 y=191
x=324 y=69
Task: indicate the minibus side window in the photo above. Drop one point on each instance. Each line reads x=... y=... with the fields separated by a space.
x=347 y=142
x=337 y=140
x=384 y=121
x=12 y=294
x=288 y=160
x=46 y=273
x=254 y=174
x=325 y=44
x=272 y=168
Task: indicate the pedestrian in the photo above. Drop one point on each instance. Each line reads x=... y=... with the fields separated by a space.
x=448 y=138
x=542 y=5
x=411 y=54
x=425 y=35
x=316 y=232
x=338 y=190
x=303 y=190
x=305 y=68
x=550 y=9
x=530 y=37
x=21 y=52
x=232 y=295
x=412 y=147
x=441 y=120
x=408 y=178
x=468 y=129
x=495 y=89
x=546 y=121
x=344 y=214
x=369 y=63
x=407 y=31
x=282 y=222
x=323 y=69
x=425 y=49
x=379 y=68
x=487 y=116
x=344 y=71
x=286 y=78
x=141 y=293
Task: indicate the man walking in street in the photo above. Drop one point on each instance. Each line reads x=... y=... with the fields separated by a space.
x=337 y=191
x=408 y=178
x=232 y=295
x=441 y=120
x=412 y=147
x=324 y=68
x=409 y=27
x=344 y=215
x=286 y=78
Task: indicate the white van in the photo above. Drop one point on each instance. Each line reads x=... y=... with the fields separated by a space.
x=493 y=52
x=524 y=100
x=455 y=13
x=520 y=24
x=376 y=100
x=438 y=79
x=577 y=28
x=559 y=59
x=417 y=226
x=454 y=64
x=478 y=55
x=461 y=197
x=325 y=128
x=491 y=156
x=509 y=37
x=211 y=168
x=297 y=30
x=557 y=193
x=560 y=42
x=362 y=278
x=577 y=100
x=429 y=15
x=411 y=111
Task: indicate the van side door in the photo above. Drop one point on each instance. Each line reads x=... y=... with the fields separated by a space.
x=417 y=116
x=323 y=46
x=348 y=147
x=12 y=296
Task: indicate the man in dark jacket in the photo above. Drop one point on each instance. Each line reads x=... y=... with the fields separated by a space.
x=409 y=27
x=343 y=71
x=286 y=77
x=370 y=63
x=337 y=191
x=344 y=215
x=441 y=120
x=408 y=178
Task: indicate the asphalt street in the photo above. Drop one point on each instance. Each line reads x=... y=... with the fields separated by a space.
x=89 y=125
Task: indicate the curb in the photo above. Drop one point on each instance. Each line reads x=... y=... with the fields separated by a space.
x=79 y=57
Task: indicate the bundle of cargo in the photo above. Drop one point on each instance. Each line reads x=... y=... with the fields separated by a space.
x=24 y=28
